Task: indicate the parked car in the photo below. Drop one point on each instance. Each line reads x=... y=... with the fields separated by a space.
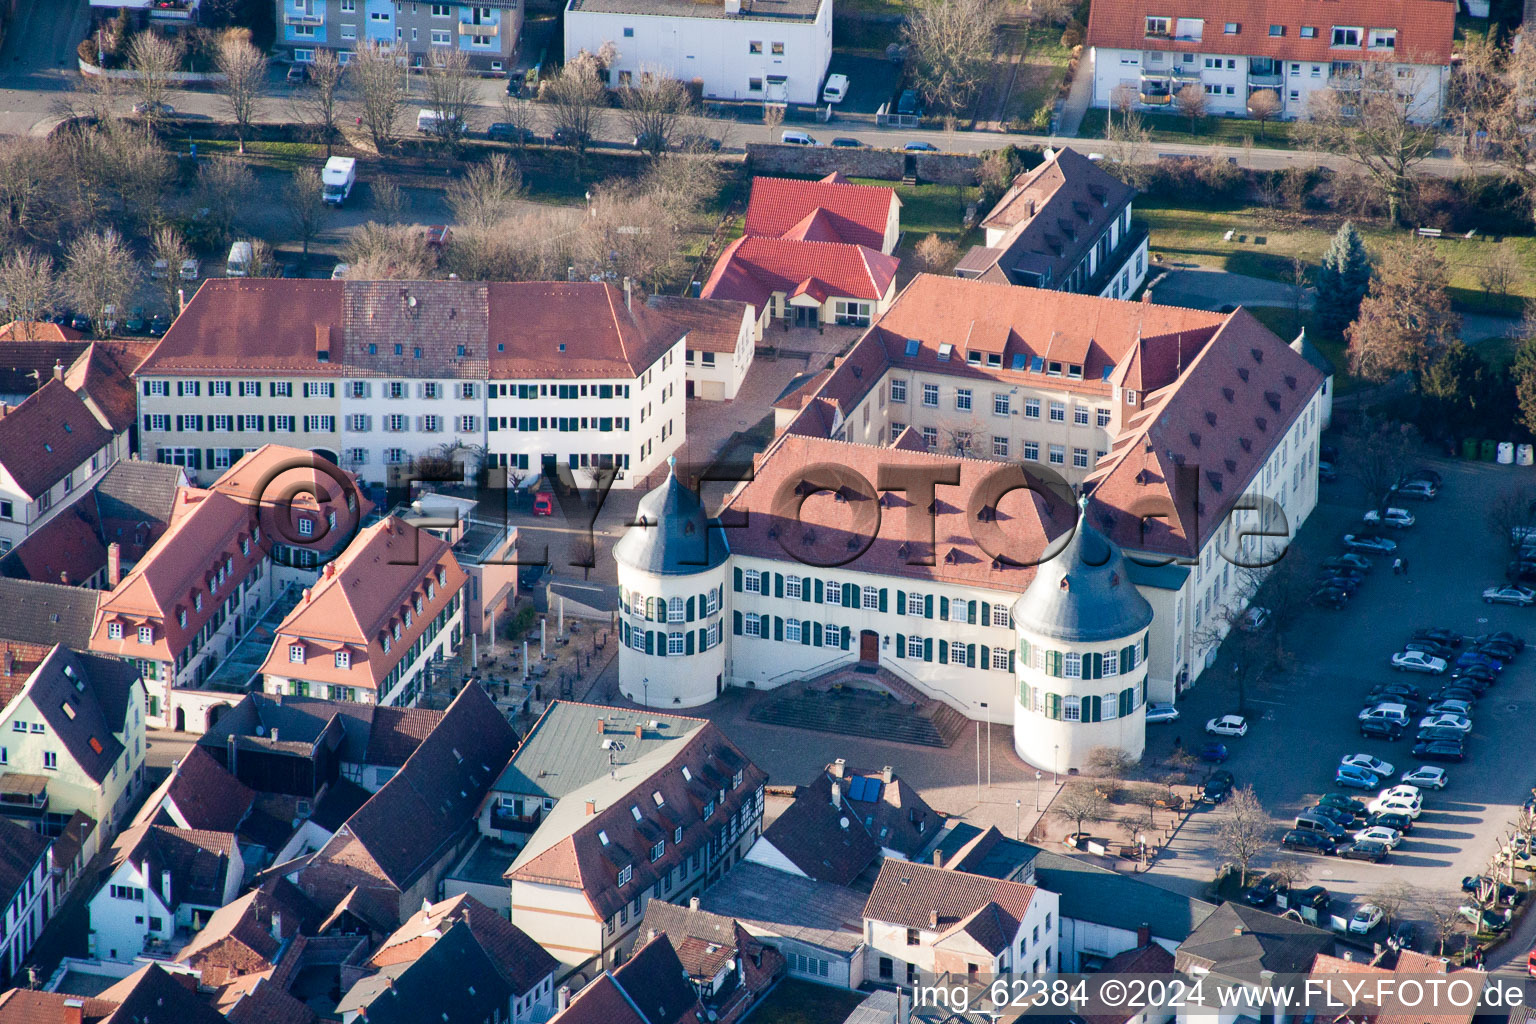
x=158 y=109
x=1446 y=720
x=697 y=143
x=80 y=322
x=339 y=271
x=1375 y=728
x=1440 y=750
x=1418 y=661
x=844 y=142
x=506 y=131
x=1374 y=545
x=1439 y=734
x=1397 y=799
x=1366 y=918
x=1328 y=597
x=797 y=138
x=1395 y=820
x=1348 y=584
x=1218 y=787
x=1450 y=707
x=1439 y=635
x=1521 y=596
x=907 y=103
x=137 y=322
x=191 y=269
x=1397 y=518
x=1214 y=753
x=1427 y=475
x=1419 y=490
x=1256 y=618
x=1227 y=725
x=1374 y=765
x=1492 y=921
x=1262 y=892
x=920 y=147
x=1349 y=560
x=1476 y=675
x=159 y=270
x=298 y=74
x=1496 y=650
x=1504 y=892
x=1310 y=842
x=544 y=503
x=1390 y=838
x=836 y=89
x=158 y=325
x=1326 y=472
x=1337 y=815
x=1470 y=659
x=1389 y=711
x=1158 y=712
x=1356 y=778
x=1343 y=803
x=1503 y=635
x=1432 y=648
x=1399 y=688
x=1364 y=849
x=1465 y=690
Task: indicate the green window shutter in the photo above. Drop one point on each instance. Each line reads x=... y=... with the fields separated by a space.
x=1010 y=660
x=943 y=652
x=805 y=634
x=816 y=633
x=1091 y=666
x=970 y=655
x=689 y=609
x=850 y=595
x=1127 y=656
x=1090 y=709
x=778 y=628
x=767 y=581
x=847 y=638
x=736 y=623
x=901 y=602
x=1053 y=661
x=986 y=656
x=1024 y=649
x=1053 y=706
x=766 y=625
x=778 y=585
x=1127 y=701
x=624 y=633
x=901 y=645
x=737 y=579
x=818 y=592
x=688 y=642
x=703 y=640
x=986 y=613
x=970 y=613
x=928 y=649
x=928 y=605
x=650 y=642
x=883 y=593
x=805 y=590
x=944 y=608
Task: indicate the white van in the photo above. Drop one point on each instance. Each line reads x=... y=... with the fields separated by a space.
x=835 y=90
x=239 y=262
x=797 y=139
x=429 y=122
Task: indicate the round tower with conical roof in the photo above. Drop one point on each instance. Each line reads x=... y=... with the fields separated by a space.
x=672 y=565
x=1082 y=665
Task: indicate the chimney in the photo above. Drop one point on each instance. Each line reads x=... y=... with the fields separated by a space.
x=277 y=925
x=938 y=858
x=693 y=903
x=591 y=808
x=563 y=997
x=74 y=1010
x=306 y=595
x=1237 y=929
x=888 y=774
x=639 y=732
x=165 y=887
x=8 y=662
x=64 y=577
x=273 y=733
x=181 y=299
x=229 y=747
x=58 y=371
x=732 y=6
x=837 y=795
x=115 y=564
x=838 y=768
x=933 y=918
x=650 y=935
x=601 y=727
x=629 y=294
x=1143 y=936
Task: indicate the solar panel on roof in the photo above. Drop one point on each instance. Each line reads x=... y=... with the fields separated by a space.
x=872 y=791
x=856 y=788
x=1018 y=362
x=912 y=346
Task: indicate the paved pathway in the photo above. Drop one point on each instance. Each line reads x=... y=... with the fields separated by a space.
x=1206 y=288
x=1078 y=97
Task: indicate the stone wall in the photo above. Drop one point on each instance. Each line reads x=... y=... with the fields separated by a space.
x=863 y=162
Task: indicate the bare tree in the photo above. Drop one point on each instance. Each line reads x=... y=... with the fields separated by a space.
x=1242 y=829
x=169 y=248
x=1405 y=318
x=245 y=80
x=950 y=44
x=521 y=112
x=935 y=255
x=686 y=182
x=1263 y=105
x=1079 y=805
x=1050 y=12
x=773 y=116
x=140 y=171
x=388 y=200
x=1444 y=914
x=1123 y=98
x=1290 y=871
x=1190 y=102
x=1151 y=800
x=1380 y=128
x=100 y=275
x=29 y=288
x=1511 y=507
x=654 y=108
x=1393 y=898
x=1378 y=453
x=487 y=193
x=304 y=202
x=575 y=97
x=152 y=58
x=223 y=187
x=1502 y=270
x=318 y=102
x=378 y=252
x=263 y=260
x=1110 y=763
x=378 y=76
x=450 y=88
x=35 y=195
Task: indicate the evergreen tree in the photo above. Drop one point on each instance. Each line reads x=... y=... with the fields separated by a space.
x=1523 y=373
x=1458 y=390
x=1343 y=279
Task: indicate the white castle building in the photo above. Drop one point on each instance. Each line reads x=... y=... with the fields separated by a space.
x=907 y=518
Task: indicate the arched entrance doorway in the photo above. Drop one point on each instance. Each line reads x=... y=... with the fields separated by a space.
x=869 y=646
x=215 y=712
x=181 y=720
x=327 y=455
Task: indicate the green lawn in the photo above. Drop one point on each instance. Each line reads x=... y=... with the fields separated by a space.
x=1181 y=233
x=1040 y=74
x=930 y=209
x=1225 y=131
x=802 y=1002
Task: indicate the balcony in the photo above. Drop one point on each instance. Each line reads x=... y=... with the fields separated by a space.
x=173 y=10
x=293 y=18
x=1258 y=78
x=1156 y=99
x=507 y=821
x=470 y=29
x=23 y=798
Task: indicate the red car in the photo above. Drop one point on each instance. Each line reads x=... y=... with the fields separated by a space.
x=544 y=504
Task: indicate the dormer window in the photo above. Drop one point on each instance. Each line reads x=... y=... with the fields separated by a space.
x=1348 y=35
x=1075 y=371
x=677 y=835
x=181 y=617
x=386 y=644
x=945 y=351
x=625 y=874
x=343 y=659
x=1053 y=368
x=1383 y=38
x=419 y=604
x=114 y=631
x=1157 y=27
x=306 y=527
x=973 y=358
x=635 y=811
x=296 y=653
x=396 y=631
x=245 y=546
x=146 y=634
x=431 y=591
x=407 y=618
x=197 y=602
x=442 y=576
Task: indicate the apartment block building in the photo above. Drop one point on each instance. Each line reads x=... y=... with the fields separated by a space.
x=1152 y=49
x=486 y=32
x=388 y=378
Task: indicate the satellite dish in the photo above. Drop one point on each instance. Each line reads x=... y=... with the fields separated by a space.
x=842 y=823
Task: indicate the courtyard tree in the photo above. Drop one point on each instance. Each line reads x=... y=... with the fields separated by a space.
x=304 y=202
x=575 y=97
x=1263 y=107
x=318 y=101
x=1460 y=391
x=152 y=58
x=950 y=45
x=383 y=252
x=1290 y=872
x=379 y=78
x=1242 y=830
x=1378 y=453
x=935 y=255
x=1190 y=103
x=773 y=117
x=1111 y=763
x=245 y=79
x=168 y=248
x=654 y=104
x=30 y=289
x=1405 y=317
x=388 y=201
x=100 y=275
x=487 y=193
x=1393 y=898
x=450 y=88
x=1079 y=805
x=1509 y=508
x=223 y=185
x=1342 y=279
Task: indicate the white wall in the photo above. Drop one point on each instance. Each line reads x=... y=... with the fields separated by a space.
x=559 y=919
x=662 y=680
x=120 y=927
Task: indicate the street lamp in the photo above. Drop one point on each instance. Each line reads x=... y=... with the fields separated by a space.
x=645 y=690
x=1038 y=776
x=1056 y=765
x=1018 y=819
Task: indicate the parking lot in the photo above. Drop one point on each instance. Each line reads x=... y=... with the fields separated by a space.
x=1302 y=723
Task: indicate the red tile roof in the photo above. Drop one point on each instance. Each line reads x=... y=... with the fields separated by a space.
x=373 y=585
x=752 y=269
x=48 y=435
x=25 y=1006
x=829 y=210
x=505 y=329
x=1425 y=28
x=67 y=549
x=246 y=937
x=712 y=325
x=37 y=330
x=102 y=377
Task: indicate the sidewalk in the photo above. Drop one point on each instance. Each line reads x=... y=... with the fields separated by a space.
x=1078 y=97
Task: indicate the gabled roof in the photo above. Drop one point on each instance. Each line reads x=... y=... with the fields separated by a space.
x=656 y=983
x=20 y=850
x=49 y=434
x=27 y=1006
x=453 y=981
x=84 y=698
x=1090 y=893
x=771 y=902
x=133 y=491
x=66 y=549
x=326 y=328
x=521 y=961
x=204 y=794
x=704 y=942
x=248 y=936
x=601 y=1002
x=1424 y=28
x=573 y=744
x=924 y=897
x=369 y=734
x=100 y=377
x=408 y=824
x=712 y=325
x=856 y=214
x=1241 y=943
x=258 y=1000
x=752 y=269
x=153 y=994
x=37 y=330
x=198 y=861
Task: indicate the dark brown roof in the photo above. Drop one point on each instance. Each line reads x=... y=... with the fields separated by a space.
x=47 y=613
x=84 y=699
x=25 y=1006
x=827 y=843
x=246 y=936
x=909 y=895
x=48 y=435
x=655 y=981
x=198 y=861
x=703 y=941
x=265 y=1003
x=67 y=549
x=153 y=994
x=521 y=961
x=20 y=850
x=207 y=795
x=103 y=377
x=712 y=325
x=601 y=1002
x=396 y=734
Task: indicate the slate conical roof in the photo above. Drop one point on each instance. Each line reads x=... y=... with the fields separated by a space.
x=671 y=535
x=1084 y=594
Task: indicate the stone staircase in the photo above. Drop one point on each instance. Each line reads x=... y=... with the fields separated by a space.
x=864 y=700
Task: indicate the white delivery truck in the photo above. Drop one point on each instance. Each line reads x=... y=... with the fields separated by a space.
x=241 y=255
x=338 y=177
